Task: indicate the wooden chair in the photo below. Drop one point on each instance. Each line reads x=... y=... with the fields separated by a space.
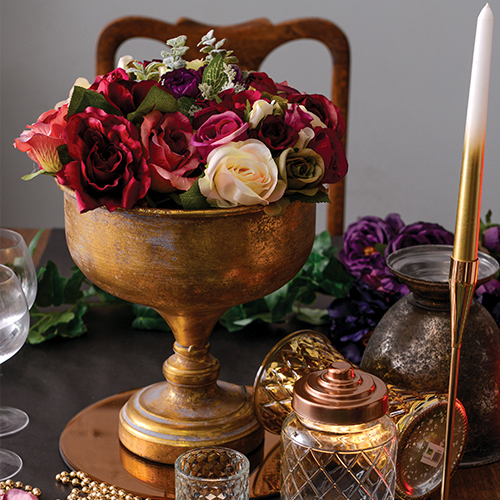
x=251 y=42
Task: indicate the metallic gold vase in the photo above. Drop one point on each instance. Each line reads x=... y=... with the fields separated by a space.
x=191 y=267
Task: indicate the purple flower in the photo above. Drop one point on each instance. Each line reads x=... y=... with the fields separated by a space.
x=364 y=241
x=491 y=239
x=355 y=317
x=297 y=117
x=420 y=233
x=384 y=281
x=488 y=295
x=182 y=82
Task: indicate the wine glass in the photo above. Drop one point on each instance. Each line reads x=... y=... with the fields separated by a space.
x=14 y=328
x=15 y=254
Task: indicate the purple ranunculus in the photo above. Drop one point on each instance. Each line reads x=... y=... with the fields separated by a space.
x=363 y=244
x=420 y=233
x=355 y=317
x=488 y=295
x=218 y=130
x=182 y=82
x=491 y=239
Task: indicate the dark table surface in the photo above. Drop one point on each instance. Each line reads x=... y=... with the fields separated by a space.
x=55 y=380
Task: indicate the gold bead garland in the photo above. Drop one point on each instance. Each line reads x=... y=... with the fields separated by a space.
x=86 y=488
x=17 y=485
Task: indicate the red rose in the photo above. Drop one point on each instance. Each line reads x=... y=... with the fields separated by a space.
x=169 y=154
x=260 y=81
x=276 y=134
x=108 y=167
x=327 y=143
x=122 y=92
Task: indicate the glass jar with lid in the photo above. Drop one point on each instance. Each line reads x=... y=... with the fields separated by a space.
x=338 y=443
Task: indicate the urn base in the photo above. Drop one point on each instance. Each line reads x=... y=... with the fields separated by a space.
x=164 y=420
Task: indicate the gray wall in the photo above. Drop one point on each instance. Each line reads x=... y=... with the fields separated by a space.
x=411 y=62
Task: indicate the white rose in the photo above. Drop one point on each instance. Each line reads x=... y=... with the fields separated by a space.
x=125 y=62
x=241 y=173
x=260 y=110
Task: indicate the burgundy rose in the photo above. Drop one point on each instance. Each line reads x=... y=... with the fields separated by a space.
x=327 y=143
x=491 y=239
x=182 y=82
x=420 y=233
x=276 y=134
x=122 y=92
x=260 y=81
x=363 y=242
x=108 y=167
x=168 y=151
x=323 y=108
x=218 y=130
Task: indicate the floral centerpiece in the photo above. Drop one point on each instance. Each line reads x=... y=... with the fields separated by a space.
x=192 y=135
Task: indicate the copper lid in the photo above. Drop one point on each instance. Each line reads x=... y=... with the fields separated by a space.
x=340 y=395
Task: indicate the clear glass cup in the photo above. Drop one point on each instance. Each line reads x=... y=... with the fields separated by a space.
x=212 y=473
x=14 y=328
x=14 y=253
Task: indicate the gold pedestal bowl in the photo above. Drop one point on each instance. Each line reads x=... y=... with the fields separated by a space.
x=191 y=267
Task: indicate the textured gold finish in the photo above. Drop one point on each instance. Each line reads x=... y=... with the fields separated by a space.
x=190 y=266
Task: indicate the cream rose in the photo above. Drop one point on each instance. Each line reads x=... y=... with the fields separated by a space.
x=241 y=173
x=303 y=170
x=260 y=110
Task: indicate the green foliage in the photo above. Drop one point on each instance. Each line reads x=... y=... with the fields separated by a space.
x=83 y=98
x=156 y=99
x=61 y=304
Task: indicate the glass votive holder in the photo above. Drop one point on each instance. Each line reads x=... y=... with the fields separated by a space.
x=212 y=473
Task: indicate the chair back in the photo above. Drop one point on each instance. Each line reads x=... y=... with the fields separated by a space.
x=251 y=42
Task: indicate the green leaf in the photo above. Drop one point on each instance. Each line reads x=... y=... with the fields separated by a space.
x=319 y=197
x=185 y=105
x=64 y=155
x=83 y=98
x=72 y=289
x=34 y=242
x=75 y=327
x=45 y=326
x=156 y=99
x=214 y=75
x=50 y=286
x=193 y=199
x=313 y=316
x=148 y=319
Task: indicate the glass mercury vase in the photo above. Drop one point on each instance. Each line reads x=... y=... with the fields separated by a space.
x=338 y=443
x=411 y=345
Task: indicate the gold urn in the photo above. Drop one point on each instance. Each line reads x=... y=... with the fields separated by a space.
x=191 y=267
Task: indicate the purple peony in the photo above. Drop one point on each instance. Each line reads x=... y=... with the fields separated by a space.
x=364 y=241
x=355 y=317
x=491 y=239
x=384 y=281
x=420 y=233
x=182 y=82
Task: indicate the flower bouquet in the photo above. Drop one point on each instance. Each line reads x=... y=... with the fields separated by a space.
x=191 y=135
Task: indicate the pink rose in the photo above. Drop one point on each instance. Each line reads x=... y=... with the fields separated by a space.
x=40 y=142
x=166 y=140
x=108 y=167
x=297 y=117
x=327 y=143
x=218 y=130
